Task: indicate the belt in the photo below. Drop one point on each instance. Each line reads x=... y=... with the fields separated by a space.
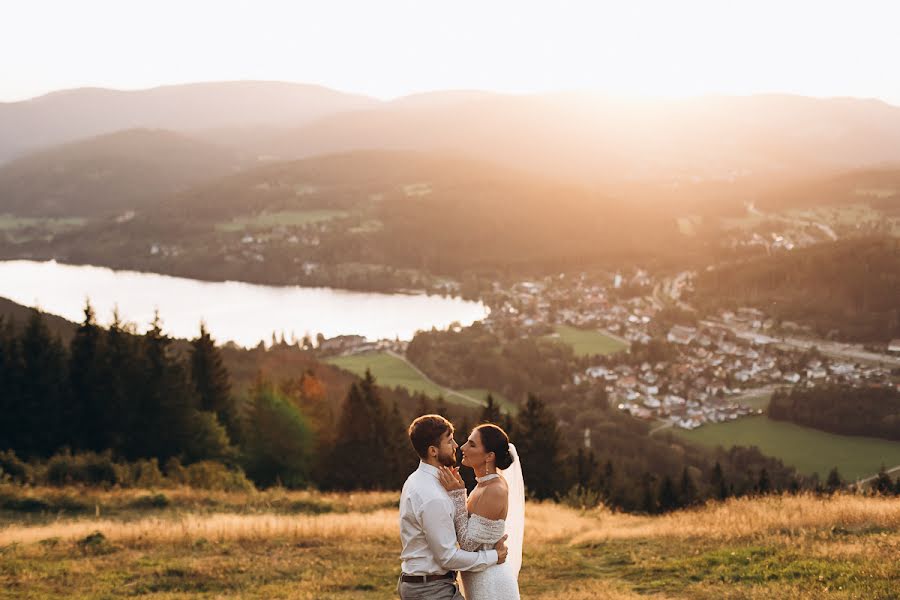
x=426 y=578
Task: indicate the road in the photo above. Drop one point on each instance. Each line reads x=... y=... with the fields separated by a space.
x=851 y=352
x=890 y=471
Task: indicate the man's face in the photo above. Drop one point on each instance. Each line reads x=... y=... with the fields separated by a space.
x=447 y=450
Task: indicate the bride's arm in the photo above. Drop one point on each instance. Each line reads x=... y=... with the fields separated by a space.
x=455 y=486
x=492 y=507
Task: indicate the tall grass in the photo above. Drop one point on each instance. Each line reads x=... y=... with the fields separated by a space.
x=748 y=518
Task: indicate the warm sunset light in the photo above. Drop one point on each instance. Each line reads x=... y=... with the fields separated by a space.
x=449 y=299
x=391 y=48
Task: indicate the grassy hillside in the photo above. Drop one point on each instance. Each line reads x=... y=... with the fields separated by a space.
x=809 y=450
x=392 y=371
x=181 y=543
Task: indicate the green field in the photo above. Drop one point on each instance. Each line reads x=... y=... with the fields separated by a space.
x=587 y=342
x=390 y=371
x=10 y=222
x=809 y=450
x=289 y=218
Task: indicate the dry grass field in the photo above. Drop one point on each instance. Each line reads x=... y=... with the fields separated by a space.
x=183 y=543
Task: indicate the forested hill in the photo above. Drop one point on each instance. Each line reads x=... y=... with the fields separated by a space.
x=439 y=212
x=847 y=289
x=110 y=173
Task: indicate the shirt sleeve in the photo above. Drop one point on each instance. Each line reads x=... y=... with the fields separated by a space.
x=440 y=534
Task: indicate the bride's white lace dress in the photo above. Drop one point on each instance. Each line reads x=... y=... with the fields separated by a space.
x=474 y=532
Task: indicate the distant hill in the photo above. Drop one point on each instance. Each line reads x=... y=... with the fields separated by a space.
x=846 y=289
x=589 y=138
x=878 y=187
x=68 y=115
x=440 y=212
x=112 y=172
x=19 y=316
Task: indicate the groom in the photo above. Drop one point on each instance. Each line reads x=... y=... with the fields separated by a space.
x=430 y=556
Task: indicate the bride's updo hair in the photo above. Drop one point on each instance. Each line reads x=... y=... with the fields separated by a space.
x=495 y=440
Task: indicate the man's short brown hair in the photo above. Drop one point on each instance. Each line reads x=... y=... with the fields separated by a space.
x=426 y=431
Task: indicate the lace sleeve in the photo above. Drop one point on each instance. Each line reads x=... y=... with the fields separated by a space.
x=475 y=531
x=461 y=519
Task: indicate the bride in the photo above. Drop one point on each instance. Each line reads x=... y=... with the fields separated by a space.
x=497 y=505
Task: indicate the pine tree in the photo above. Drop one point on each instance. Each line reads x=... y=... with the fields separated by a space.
x=648 y=497
x=764 y=485
x=440 y=408
x=668 y=500
x=834 y=482
x=423 y=406
x=688 y=490
x=883 y=484
x=491 y=412
x=87 y=415
x=358 y=459
x=538 y=442
x=123 y=384
x=10 y=378
x=400 y=460
x=37 y=420
x=210 y=377
x=720 y=486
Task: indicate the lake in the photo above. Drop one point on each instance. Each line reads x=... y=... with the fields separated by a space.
x=241 y=312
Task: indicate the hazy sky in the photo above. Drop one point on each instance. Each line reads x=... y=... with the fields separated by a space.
x=388 y=48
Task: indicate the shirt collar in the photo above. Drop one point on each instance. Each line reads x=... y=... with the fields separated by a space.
x=426 y=468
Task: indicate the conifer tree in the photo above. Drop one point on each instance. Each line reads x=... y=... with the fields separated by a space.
x=688 y=489
x=882 y=484
x=358 y=458
x=538 y=442
x=720 y=486
x=764 y=484
x=491 y=412
x=834 y=482
x=10 y=374
x=210 y=377
x=668 y=500
x=123 y=387
x=37 y=418
x=89 y=398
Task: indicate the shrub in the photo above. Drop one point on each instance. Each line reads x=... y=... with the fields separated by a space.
x=88 y=468
x=146 y=474
x=211 y=475
x=13 y=469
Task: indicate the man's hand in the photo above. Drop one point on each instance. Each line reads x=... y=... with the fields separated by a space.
x=501 y=549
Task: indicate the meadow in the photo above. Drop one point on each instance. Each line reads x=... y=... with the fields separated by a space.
x=809 y=450
x=288 y=218
x=586 y=342
x=182 y=543
x=393 y=371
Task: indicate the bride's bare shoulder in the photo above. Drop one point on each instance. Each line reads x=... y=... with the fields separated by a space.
x=494 y=501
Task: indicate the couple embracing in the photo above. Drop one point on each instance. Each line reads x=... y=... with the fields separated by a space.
x=446 y=532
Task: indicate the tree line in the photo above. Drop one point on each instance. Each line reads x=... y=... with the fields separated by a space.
x=872 y=411
x=145 y=399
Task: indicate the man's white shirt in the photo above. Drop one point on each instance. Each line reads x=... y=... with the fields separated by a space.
x=427 y=531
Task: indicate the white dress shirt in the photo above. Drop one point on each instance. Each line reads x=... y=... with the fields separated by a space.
x=427 y=531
